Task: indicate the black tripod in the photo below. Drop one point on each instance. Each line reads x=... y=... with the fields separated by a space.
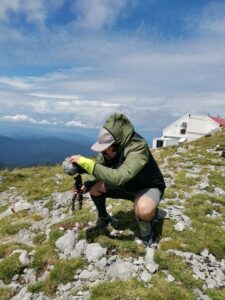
x=79 y=195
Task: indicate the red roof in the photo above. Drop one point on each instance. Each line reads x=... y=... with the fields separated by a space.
x=219 y=121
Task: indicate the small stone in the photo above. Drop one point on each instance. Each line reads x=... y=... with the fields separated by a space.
x=170 y=278
x=66 y=242
x=179 y=226
x=152 y=267
x=205 y=253
x=146 y=276
x=24 y=258
x=101 y=263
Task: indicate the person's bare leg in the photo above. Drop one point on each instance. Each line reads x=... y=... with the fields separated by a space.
x=145 y=208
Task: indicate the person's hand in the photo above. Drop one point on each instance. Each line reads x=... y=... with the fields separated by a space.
x=75 y=191
x=74 y=159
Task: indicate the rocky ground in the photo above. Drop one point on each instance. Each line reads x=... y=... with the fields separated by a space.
x=189 y=254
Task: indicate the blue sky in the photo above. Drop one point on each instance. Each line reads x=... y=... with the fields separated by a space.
x=71 y=63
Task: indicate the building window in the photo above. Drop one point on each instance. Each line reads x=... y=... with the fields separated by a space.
x=183 y=128
x=159 y=144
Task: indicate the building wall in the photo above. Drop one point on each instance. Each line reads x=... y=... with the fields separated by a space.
x=197 y=126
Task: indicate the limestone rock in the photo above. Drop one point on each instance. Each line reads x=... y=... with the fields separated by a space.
x=66 y=243
x=94 y=252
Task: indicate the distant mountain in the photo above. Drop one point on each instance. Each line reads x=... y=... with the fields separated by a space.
x=38 y=151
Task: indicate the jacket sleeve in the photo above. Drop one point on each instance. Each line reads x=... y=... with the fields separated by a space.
x=90 y=180
x=132 y=165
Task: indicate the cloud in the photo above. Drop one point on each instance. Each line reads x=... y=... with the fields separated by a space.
x=24 y=118
x=16 y=82
x=34 y=11
x=83 y=77
x=97 y=14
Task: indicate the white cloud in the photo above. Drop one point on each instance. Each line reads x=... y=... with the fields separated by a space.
x=97 y=14
x=24 y=118
x=75 y=123
x=16 y=82
x=34 y=10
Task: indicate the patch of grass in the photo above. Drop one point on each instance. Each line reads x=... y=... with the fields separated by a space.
x=62 y=273
x=9 y=267
x=8 y=248
x=216 y=294
x=39 y=238
x=35 y=182
x=36 y=287
x=3 y=208
x=123 y=245
x=176 y=266
x=37 y=217
x=50 y=204
x=55 y=234
x=133 y=289
x=12 y=224
x=170 y=193
x=216 y=179
x=5 y=294
x=45 y=255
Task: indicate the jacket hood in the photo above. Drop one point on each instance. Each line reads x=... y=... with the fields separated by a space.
x=121 y=129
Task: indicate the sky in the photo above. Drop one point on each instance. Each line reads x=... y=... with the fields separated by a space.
x=71 y=63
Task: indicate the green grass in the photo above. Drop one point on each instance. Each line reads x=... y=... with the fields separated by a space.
x=45 y=255
x=9 y=267
x=39 y=238
x=62 y=273
x=216 y=294
x=8 y=248
x=35 y=182
x=3 y=208
x=14 y=223
x=5 y=294
x=176 y=266
x=133 y=290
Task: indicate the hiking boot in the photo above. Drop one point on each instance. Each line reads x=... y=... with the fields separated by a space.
x=102 y=223
x=99 y=228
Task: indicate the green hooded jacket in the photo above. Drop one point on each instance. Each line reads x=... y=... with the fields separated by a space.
x=134 y=167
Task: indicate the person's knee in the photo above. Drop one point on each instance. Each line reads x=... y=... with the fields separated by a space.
x=98 y=189
x=145 y=210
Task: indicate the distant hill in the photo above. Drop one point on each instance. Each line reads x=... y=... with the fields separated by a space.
x=38 y=151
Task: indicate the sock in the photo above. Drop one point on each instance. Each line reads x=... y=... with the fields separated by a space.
x=99 y=202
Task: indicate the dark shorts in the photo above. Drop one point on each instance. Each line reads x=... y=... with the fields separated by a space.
x=116 y=192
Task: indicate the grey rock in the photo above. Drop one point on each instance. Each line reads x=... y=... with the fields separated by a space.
x=26 y=237
x=211 y=283
x=23 y=294
x=219 y=190
x=30 y=276
x=101 y=263
x=145 y=276
x=170 y=278
x=44 y=276
x=205 y=253
x=152 y=267
x=66 y=243
x=94 y=252
x=21 y=206
x=120 y=270
x=179 y=226
x=79 y=248
x=24 y=258
x=1 y=179
x=200 y=295
x=149 y=256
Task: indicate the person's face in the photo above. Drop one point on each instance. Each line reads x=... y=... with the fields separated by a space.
x=109 y=153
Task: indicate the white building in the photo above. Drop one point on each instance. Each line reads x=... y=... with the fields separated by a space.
x=188 y=128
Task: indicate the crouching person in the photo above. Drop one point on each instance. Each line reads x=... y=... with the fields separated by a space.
x=125 y=168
